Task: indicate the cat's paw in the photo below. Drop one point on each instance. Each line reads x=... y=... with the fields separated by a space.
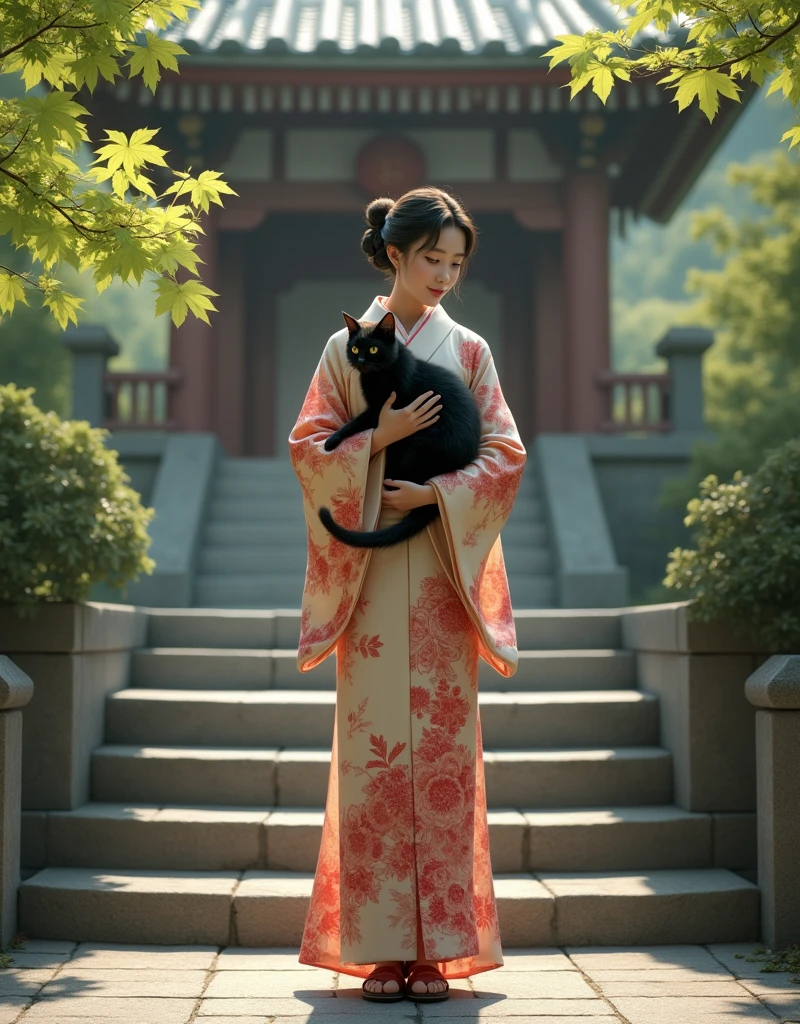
x=331 y=442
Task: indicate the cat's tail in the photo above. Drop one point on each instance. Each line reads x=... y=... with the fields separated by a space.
x=414 y=523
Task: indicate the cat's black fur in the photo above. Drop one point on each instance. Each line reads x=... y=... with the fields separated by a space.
x=450 y=443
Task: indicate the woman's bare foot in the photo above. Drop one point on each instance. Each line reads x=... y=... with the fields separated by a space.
x=374 y=985
x=430 y=986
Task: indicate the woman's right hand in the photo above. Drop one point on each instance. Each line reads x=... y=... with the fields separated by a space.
x=395 y=424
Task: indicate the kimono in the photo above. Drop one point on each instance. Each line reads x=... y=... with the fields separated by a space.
x=405 y=842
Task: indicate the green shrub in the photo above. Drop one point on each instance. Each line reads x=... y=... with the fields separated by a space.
x=746 y=568
x=67 y=517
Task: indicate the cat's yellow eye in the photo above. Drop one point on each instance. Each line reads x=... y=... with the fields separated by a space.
x=373 y=350
x=354 y=349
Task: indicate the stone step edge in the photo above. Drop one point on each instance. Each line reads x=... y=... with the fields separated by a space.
x=270 y=695
x=538 y=653
x=268 y=908
x=106 y=810
x=319 y=753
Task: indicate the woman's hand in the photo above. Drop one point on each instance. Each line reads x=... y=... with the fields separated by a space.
x=395 y=424
x=407 y=495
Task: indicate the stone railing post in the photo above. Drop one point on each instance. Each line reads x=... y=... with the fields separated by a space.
x=16 y=689
x=775 y=688
x=683 y=348
x=92 y=346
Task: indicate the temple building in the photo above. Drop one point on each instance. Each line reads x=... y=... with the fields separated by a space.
x=311 y=108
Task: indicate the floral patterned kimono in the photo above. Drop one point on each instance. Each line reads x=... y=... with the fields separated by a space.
x=405 y=833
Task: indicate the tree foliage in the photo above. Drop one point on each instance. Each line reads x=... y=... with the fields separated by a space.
x=109 y=219
x=746 y=566
x=752 y=372
x=68 y=518
x=720 y=45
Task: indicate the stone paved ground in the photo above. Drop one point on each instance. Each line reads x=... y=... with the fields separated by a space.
x=110 y=983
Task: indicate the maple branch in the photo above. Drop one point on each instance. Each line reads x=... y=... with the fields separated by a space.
x=16 y=273
x=47 y=28
x=80 y=228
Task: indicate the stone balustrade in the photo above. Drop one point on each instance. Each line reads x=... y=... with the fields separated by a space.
x=774 y=689
x=16 y=689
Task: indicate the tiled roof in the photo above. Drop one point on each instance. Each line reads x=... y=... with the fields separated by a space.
x=404 y=27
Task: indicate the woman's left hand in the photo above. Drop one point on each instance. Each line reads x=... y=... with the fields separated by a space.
x=405 y=495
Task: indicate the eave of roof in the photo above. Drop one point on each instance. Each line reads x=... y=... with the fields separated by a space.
x=362 y=29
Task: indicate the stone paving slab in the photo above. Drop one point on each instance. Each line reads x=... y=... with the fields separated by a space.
x=488 y=1009
x=117 y=983
x=141 y=956
x=23 y=982
x=93 y=981
x=10 y=1008
x=539 y=985
x=88 y=1008
x=704 y=1011
x=247 y=984
x=316 y=1006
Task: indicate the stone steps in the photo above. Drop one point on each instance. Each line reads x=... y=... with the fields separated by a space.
x=268 y=908
x=537 y=629
x=297 y=777
x=285 y=590
x=224 y=534
x=216 y=838
x=253 y=544
x=281 y=507
x=266 y=559
x=197 y=668
x=287 y=718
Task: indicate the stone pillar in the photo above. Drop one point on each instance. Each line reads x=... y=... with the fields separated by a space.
x=586 y=298
x=16 y=689
x=775 y=688
x=192 y=344
x=683 y=348
x=92 y=345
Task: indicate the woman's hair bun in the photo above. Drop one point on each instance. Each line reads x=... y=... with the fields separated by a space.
x=378 y=211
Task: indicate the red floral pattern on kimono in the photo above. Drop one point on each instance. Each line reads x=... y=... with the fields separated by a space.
x=405 y=841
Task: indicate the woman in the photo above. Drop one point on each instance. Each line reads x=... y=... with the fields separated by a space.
x=404 y=876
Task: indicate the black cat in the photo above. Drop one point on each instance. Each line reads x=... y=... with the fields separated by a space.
x=451 y=442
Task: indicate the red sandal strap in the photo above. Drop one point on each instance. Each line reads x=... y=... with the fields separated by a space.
x=386 y=973
x=433 y=974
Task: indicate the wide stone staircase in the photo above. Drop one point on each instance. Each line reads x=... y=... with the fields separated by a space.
x=207 y=796
x=253 y=545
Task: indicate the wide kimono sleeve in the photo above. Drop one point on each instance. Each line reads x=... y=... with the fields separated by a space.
x=349 y=482
x=475 y=503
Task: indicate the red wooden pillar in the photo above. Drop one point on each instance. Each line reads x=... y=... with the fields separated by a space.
x=191 y=346
x=586 y=297
x=229 y=353
x=549 y=361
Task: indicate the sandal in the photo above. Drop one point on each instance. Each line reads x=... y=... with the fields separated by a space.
x=426 y=973
x=386 y=973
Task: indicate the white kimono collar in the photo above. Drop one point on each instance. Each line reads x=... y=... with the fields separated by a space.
x=428 y=338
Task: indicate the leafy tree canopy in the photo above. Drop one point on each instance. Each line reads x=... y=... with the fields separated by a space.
x=63 y=215
x=721 y=44
x=752 y=372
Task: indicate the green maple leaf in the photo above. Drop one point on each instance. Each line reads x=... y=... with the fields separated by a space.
x=12 y=290
x=55 y=116
x=147 y=59
x=179 y=298
x=86 y=68
x=130 y=154
x=706 y=87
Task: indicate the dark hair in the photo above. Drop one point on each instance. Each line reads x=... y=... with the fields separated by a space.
x=420 y=213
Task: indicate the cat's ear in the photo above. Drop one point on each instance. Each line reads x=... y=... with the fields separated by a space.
x=352 y=324
x=387 y=323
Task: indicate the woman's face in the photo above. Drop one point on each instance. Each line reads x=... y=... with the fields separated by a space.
x=429 y=274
